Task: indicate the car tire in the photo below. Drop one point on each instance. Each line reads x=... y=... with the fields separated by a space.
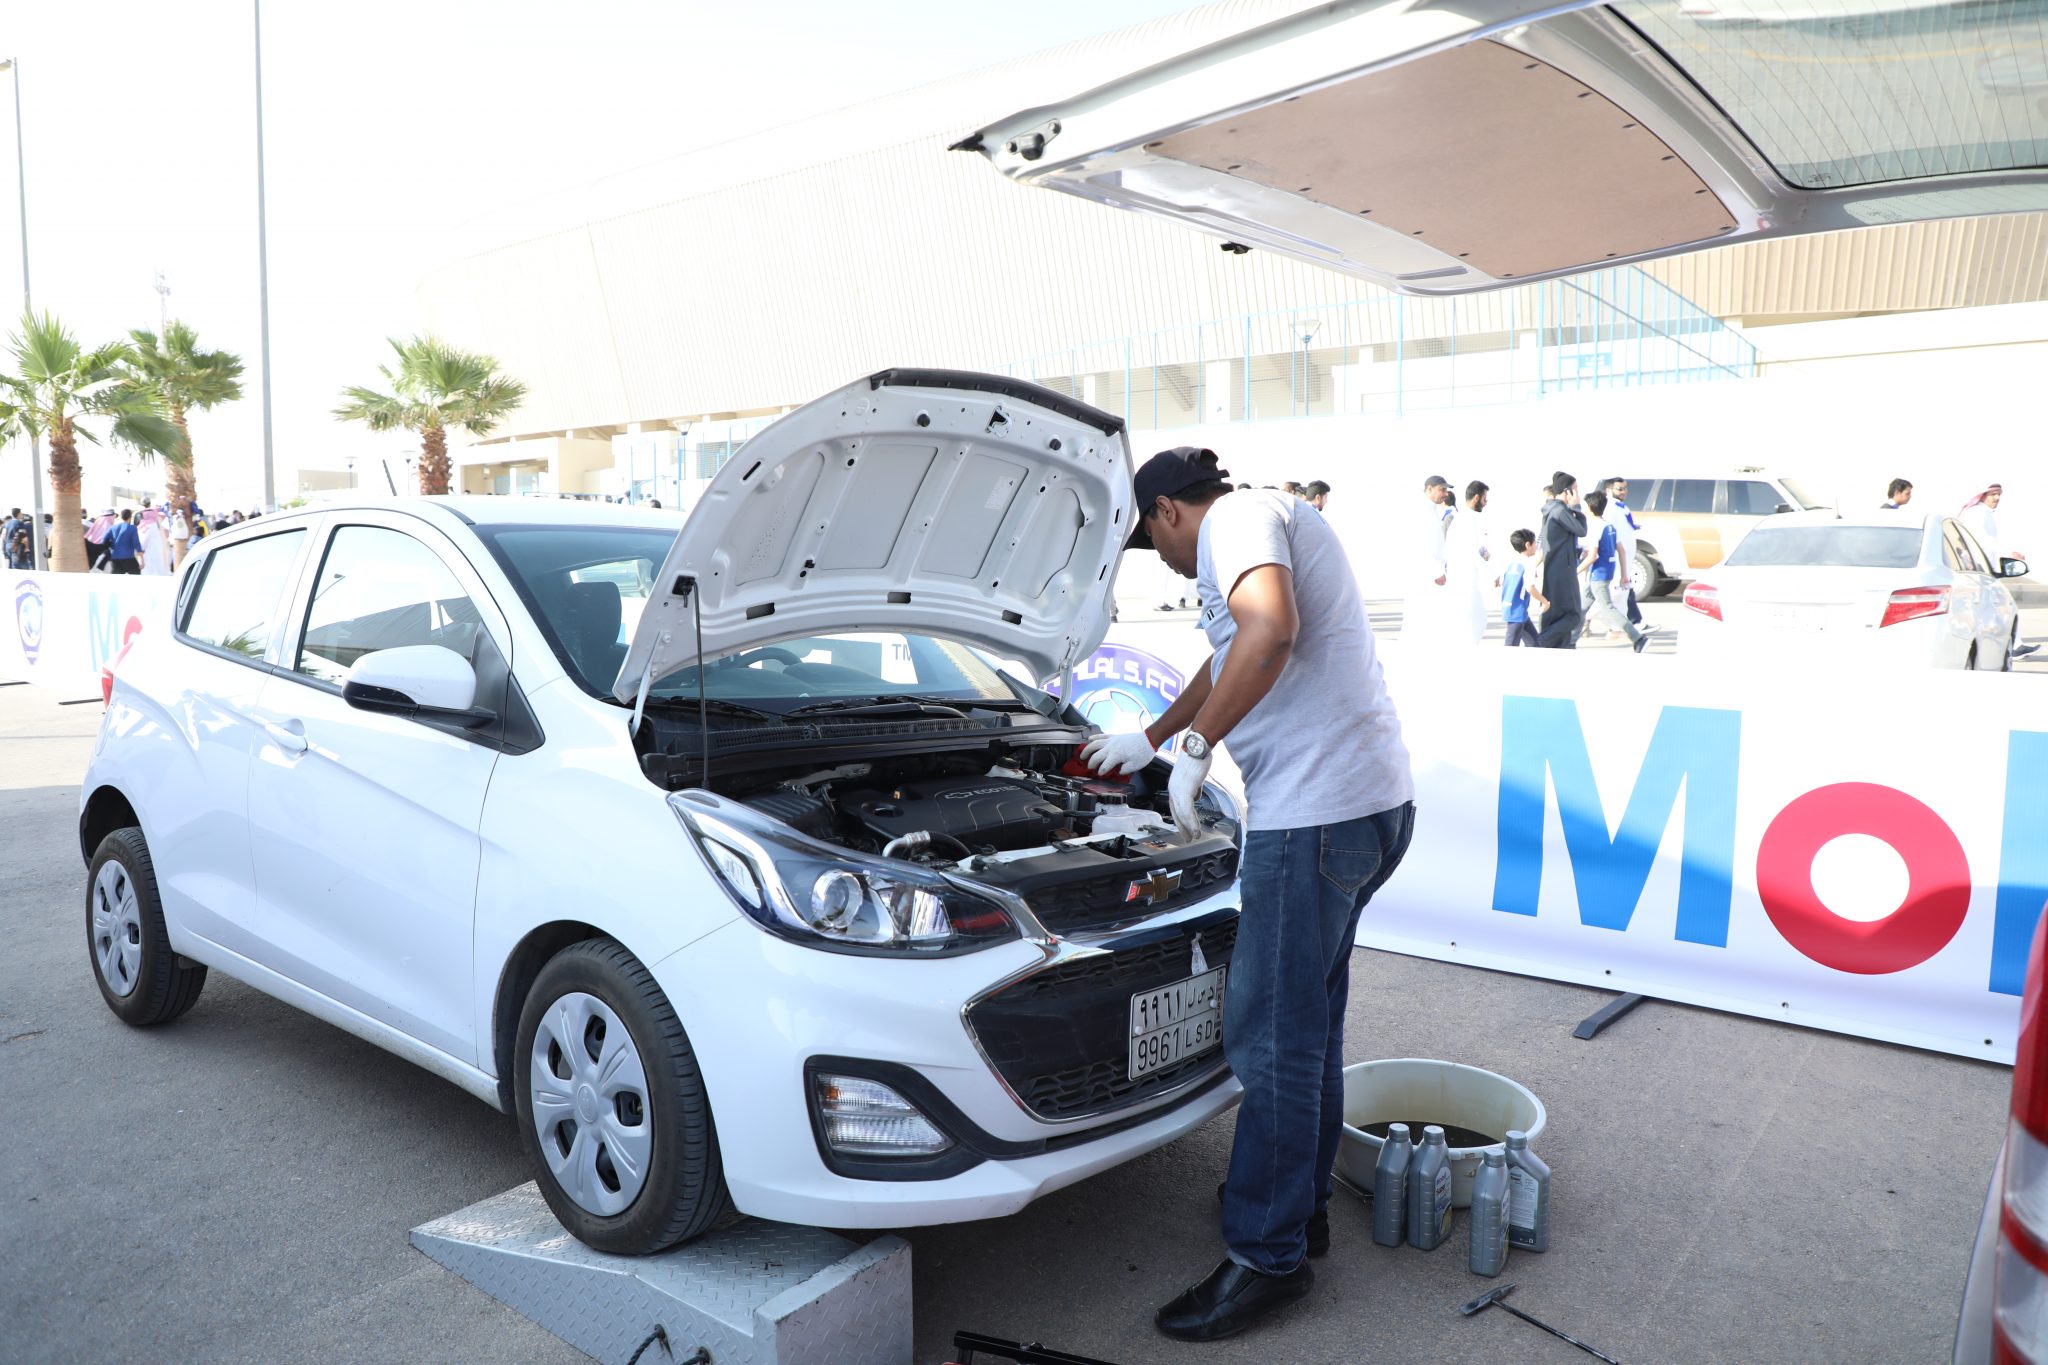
x=1646 y=576
x=142 y=979
x=1970 y=659
x=2012 y=642
x=619 y=1130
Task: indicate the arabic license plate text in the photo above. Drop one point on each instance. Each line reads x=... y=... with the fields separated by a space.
x=1176 y=1022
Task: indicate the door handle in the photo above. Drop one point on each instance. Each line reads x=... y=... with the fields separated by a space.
x=289 y=735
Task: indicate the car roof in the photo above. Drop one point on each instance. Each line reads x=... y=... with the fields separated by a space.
x=481 y=510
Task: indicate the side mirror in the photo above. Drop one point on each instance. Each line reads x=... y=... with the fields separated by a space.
x=2012 y=568
x=1784 y=507
x=419 y=682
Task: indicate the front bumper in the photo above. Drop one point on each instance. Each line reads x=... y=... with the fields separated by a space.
x=759 y=1010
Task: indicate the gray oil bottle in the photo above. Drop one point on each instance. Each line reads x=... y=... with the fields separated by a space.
x=1528 y=1196
x=1488 y=1226
x=1429 y=1190
x=1390 y=1187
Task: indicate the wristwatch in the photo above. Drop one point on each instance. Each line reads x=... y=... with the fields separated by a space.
x=1194 y=746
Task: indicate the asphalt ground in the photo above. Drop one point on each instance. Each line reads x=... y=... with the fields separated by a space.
x=238 y=1186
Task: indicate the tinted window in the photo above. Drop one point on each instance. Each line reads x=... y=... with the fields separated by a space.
x=1687 y=495
x=1961 y=553
x=379 y=589
x=586 y=587
x=1751 y=498
x=1849 y=547
x=1649 y=494
x=237 y=603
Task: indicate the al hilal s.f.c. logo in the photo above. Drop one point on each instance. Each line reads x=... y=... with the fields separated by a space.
x=1119 y=689
x=28 y=617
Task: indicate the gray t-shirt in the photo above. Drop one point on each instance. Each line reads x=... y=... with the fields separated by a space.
x=1324 y=745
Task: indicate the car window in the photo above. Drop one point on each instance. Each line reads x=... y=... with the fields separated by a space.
x=1961 y=554
x=1851 y=547
x=1976 y=547
x=586 y=587
x=1752 y=498
x=1650 y=494
x=379 y=589
x=236 y=605
x=1688 y=495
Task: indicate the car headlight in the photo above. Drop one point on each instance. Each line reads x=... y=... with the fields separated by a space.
x=1224 y=802
x=834 y=898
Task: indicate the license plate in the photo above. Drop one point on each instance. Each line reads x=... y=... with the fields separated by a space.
x=1176 y=1022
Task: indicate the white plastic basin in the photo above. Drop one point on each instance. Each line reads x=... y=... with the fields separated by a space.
x=1416 y=1089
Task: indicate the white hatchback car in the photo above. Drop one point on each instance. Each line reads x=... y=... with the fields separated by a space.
x=1877 y=587
x=828 y=929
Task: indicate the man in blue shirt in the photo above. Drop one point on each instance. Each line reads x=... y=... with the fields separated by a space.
x=1515 y=590
x=1607 y=558
x=124 y=545
x=1898 y=495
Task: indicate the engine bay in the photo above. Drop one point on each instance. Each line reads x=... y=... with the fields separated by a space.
x=1084 y=850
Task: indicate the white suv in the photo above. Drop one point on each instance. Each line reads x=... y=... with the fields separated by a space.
x=829 y=929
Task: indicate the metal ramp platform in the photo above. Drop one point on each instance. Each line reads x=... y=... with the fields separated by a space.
x=751 y=1294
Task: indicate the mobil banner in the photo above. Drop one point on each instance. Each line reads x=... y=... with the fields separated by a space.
x=1860 y=853
x=63 y=630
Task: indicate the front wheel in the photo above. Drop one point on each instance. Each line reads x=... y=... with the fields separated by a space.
x=142 y=980
x=611 y=1106
x=2012 y=642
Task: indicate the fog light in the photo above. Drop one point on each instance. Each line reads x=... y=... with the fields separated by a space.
x=867 y=1118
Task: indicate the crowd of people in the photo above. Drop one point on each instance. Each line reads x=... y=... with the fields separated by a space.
x=1567 y=578
x=133 y=540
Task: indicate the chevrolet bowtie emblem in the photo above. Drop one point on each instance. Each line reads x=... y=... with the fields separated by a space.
x=1154 y=888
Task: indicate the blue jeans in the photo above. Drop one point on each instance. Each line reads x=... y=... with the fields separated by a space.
x=1283 y=1021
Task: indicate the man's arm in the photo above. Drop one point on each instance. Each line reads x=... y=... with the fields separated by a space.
x=1262 y=605
x=1184 y=706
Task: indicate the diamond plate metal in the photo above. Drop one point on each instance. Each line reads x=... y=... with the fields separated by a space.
x=752 y=1294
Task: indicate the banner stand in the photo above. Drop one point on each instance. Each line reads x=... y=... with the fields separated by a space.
x=1607 y=1014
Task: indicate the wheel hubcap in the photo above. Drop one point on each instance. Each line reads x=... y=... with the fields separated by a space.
x=589 y=1095
x=116 y=929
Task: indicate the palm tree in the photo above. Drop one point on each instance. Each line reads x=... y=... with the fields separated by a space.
x=182 y=377
x=434 y=387
x=53 y=387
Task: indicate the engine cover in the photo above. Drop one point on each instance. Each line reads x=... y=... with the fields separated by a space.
x=981 y=812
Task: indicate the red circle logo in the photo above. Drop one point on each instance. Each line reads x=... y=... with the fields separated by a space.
x=1937 y=894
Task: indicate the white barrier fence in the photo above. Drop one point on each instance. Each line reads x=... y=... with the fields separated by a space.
x=1860 y=853
x=64 y=629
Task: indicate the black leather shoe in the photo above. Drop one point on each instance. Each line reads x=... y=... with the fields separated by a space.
x=1318 y=1229
x=1230 y=1300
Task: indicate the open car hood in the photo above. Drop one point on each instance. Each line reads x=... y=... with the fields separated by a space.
x=1443 y=148
x=969 y=506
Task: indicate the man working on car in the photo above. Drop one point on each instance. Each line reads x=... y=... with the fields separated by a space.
x=1328 y=823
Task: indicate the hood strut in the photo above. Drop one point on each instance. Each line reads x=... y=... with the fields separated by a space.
x=687 y=587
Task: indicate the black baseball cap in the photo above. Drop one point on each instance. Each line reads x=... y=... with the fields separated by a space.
x=1162 y=476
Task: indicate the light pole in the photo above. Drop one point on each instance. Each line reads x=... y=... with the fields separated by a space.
x=262 y=274
x=12 y=66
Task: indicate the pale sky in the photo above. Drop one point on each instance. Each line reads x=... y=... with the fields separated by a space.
x=387 y=127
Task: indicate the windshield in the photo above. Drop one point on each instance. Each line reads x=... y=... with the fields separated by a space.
x=587 y=585
x=1840 y=547
x=1799 y=494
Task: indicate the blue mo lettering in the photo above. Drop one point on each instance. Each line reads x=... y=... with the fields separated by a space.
x=1692 y=747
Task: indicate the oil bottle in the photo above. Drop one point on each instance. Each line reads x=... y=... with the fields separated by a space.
x=1429 y=1190
x=1528 y=1195
x=1487 y=1252
x=1390 y=1186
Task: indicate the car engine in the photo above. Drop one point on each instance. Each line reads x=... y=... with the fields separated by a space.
x=1084 y=851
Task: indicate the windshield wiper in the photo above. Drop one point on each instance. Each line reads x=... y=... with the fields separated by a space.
x=882 y=706
x=716 y=706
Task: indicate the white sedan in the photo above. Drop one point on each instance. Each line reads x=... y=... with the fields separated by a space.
x=1881 y=587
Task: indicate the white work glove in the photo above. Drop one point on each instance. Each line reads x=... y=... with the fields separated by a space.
x=1188 y=776
x=1119 y=755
